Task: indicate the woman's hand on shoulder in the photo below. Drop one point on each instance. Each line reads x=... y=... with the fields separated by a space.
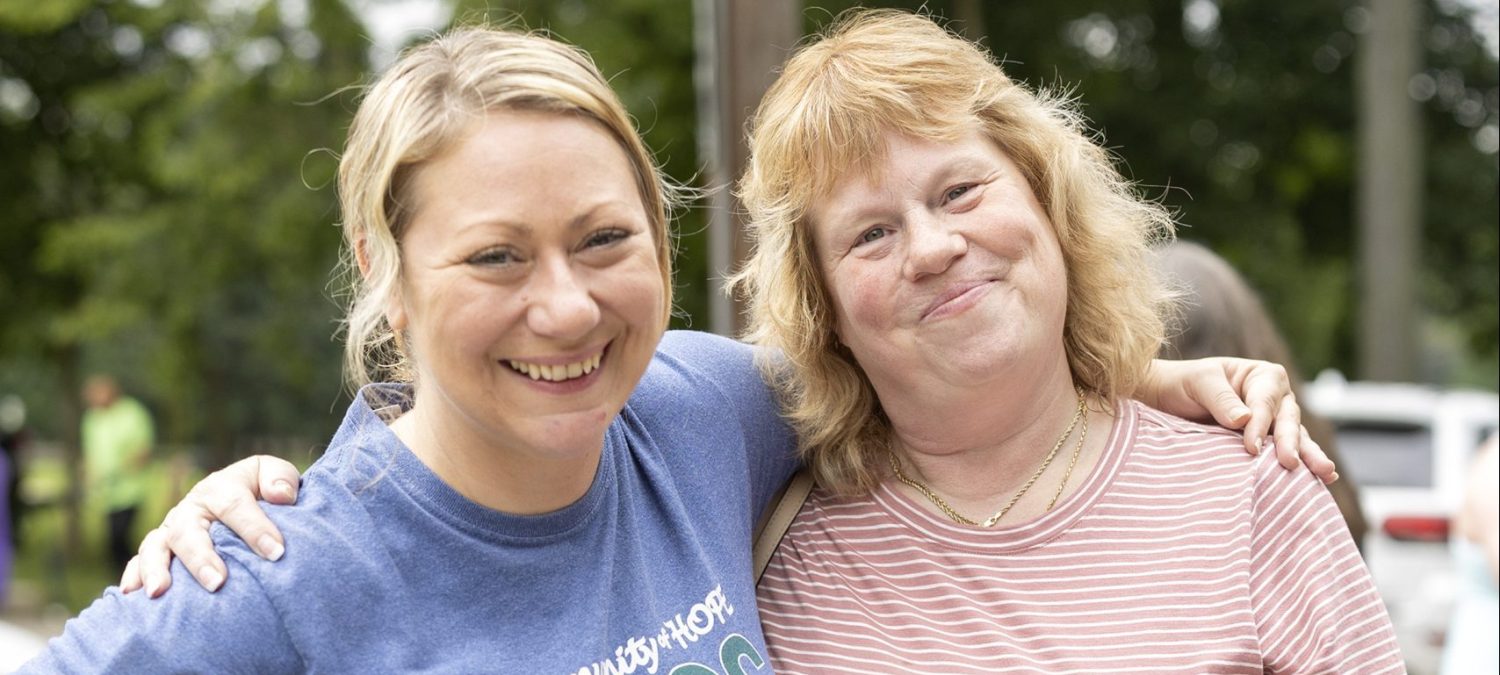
x=1252 y=396
x=230 y=496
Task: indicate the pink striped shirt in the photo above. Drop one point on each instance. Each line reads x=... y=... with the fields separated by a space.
x=1179 y=553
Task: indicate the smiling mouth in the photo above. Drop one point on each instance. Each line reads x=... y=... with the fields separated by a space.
x=557 y=373
x=954 y=299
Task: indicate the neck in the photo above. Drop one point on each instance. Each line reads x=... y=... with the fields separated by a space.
x=512 y=480
x=975 y=450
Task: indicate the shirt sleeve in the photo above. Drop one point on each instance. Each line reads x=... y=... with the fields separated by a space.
x=188 y=629
x=732 y=368
x=1316 y=608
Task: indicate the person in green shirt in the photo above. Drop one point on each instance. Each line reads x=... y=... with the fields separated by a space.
x=117 y=438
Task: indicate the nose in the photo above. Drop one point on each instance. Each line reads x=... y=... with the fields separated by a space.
x=931 y=245
x=561 y=306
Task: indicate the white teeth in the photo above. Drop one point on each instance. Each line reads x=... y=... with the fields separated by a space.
x=557 y=373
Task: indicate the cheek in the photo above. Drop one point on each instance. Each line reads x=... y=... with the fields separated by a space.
x=461 y=321
x=634 y=289
x=864 y=300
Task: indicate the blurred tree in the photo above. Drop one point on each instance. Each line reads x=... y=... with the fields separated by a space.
x=164 y=229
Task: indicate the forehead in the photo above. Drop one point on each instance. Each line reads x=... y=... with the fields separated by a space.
x=528 y=167
x=902 y=167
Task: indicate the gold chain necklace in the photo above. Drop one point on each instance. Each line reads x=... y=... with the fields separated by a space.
x=990 y=522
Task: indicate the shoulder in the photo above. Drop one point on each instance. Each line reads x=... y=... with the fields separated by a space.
x=690 y=365
x=706 y=352
x=1157 y=431
x=328 y=530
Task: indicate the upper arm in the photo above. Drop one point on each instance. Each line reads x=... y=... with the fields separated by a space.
x=1315 y=606
x=731 y=368
x=235 y=630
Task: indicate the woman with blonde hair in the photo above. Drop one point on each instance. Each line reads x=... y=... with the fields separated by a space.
x=572 y=471
x=959 y=282
x=521 y=501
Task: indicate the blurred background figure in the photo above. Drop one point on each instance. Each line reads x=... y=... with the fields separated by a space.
x=117 y=436
x=1222 y=315
x=1474 y=633
x=12 y=438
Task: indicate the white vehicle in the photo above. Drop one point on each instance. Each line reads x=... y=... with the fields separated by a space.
x=1408 y=448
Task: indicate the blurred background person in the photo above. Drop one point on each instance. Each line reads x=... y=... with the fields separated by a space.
x=117 y=435
x=1222 y=315
x=1474 y=633
x=12 y=438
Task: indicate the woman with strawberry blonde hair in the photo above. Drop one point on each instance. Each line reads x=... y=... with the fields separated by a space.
x=959 y=285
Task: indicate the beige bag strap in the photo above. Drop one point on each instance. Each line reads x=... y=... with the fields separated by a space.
x=773 y=525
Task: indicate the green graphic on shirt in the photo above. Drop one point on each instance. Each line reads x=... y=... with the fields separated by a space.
x=732 y=653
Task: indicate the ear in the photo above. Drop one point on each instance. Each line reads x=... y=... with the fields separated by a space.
x=395 y=307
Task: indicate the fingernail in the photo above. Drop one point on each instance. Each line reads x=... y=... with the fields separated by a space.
x=1239 y=411
x=285 y=489
x=1267 y=445
x=154 y=583
x=1256 y=446
x=211 y=578
x=269 y=548
x=1334 y=478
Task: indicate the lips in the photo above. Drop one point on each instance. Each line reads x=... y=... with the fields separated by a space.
x=955 y=296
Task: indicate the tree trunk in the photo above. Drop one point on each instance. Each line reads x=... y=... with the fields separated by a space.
x=1390 y=191
x=740 y=44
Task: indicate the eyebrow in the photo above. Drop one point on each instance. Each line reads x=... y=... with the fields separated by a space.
x=525 y=229
x=969 y=162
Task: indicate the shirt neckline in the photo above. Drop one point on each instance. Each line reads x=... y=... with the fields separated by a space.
x=933 y=527
x=383 y=457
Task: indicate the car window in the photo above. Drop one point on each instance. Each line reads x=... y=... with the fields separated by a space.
x=1390 y=454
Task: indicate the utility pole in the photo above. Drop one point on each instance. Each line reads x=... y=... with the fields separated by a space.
x=740 y=46
x=1390 y=191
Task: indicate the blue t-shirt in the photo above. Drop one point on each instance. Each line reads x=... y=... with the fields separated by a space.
x=387 y=569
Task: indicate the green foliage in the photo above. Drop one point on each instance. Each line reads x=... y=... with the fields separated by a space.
x=28 y=16
x=165 y=227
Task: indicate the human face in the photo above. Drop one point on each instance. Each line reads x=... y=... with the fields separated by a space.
x=944 y=270
x=531 y=291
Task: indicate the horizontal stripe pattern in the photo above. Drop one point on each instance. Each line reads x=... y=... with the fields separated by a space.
x=1179 y=553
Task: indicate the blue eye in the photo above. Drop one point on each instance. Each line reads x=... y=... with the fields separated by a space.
x=872 y=234
x=493 y=257
x=956 y=192
x=605 y=238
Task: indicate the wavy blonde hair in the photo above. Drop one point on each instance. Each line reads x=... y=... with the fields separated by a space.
x=428 y=100
x=875 y=72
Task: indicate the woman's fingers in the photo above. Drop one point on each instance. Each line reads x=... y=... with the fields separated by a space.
x=153 y=562
x=229 y=495
x=186 y=535
x=1316 y=460
x=278 y=479
x=130 y=579
x=1287 y=432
